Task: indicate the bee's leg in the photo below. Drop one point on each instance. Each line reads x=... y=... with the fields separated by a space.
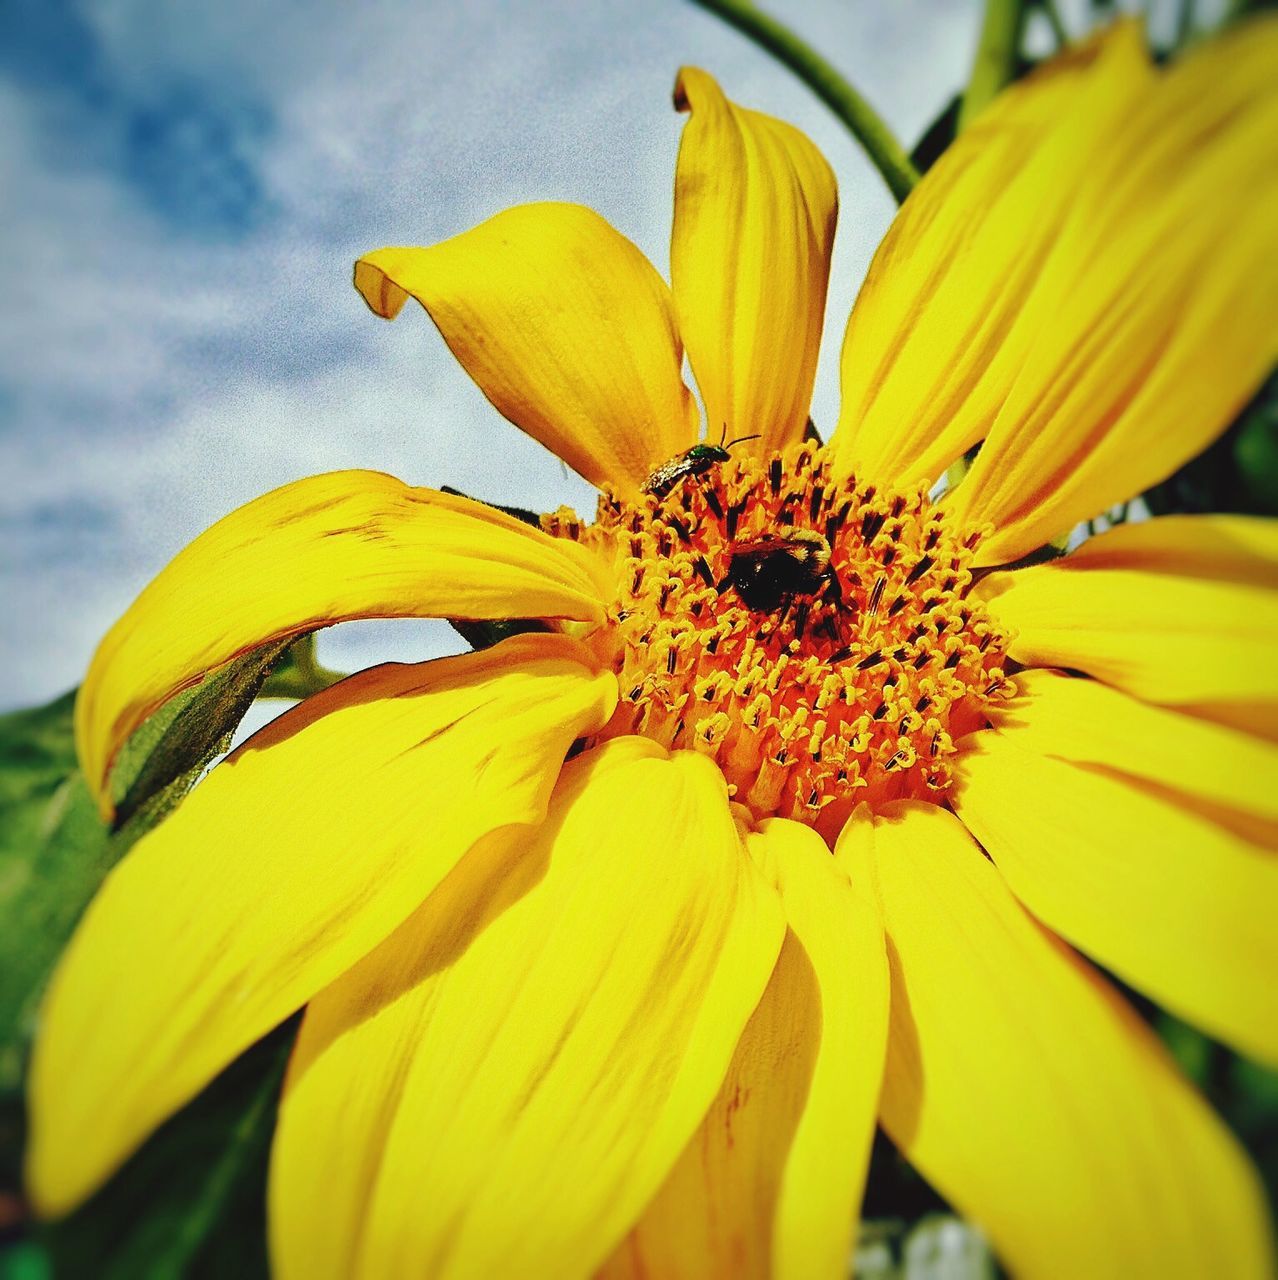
x=833 y=590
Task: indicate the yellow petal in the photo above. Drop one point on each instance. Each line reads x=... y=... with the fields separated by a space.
x=1177 y=906
x=1155 y=312
x=1222 y=548
x=565 y=326
x=540 y=1061
x=358 y=1039
x=755 y=208
x=714 y=1217
x=1028 y=1092
x=298 y=854
x=1087 y=722
x=771 y=1183
x=942 y=322
x=1120 y=609
x=352 y=544
x=838 y=925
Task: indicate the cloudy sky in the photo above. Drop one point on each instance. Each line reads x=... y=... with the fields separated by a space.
x=185 y=186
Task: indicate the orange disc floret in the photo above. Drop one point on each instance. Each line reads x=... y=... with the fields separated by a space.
x=812 y=634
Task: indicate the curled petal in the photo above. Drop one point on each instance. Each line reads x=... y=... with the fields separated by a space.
x=351 y=544
x=565 y=326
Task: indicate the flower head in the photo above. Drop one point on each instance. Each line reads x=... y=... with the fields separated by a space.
x=811 y=634
x=616 y=938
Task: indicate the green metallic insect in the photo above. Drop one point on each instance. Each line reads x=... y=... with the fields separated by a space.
x=696 y=461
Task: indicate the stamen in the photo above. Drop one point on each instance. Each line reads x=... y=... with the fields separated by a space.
x=821 y=694
x=919 y=570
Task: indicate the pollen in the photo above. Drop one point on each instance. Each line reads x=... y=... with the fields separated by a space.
x=812 y=635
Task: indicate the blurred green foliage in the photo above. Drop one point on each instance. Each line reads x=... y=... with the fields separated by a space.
x=1239 y=472
x=169 y=1207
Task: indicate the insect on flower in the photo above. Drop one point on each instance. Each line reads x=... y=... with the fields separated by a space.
x=616 y=941
x=766 y=572
x=696 y=461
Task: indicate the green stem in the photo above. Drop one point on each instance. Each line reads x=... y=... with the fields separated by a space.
x=299 y=674
x=995 y=60
x=1052 y=14
x=863 y=122
x=1184 y=24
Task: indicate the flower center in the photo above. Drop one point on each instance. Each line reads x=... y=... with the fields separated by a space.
x=812 y=635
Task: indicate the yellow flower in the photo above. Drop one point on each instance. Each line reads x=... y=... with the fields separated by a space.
x=615 y=939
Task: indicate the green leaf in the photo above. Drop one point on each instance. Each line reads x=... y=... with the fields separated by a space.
x=192 y=1201
x=1193 y=1051
x=25 y=1261
x=55 y=850
x=1237 y=473
x=937 y=136
x=520 y=513
x=1243 y=1093
x=1255 y=451
x=485 y=634
x=165 y=757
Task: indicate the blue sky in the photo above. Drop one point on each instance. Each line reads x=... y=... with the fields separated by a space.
x=186 y=186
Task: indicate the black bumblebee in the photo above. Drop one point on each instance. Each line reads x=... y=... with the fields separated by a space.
x=691 y=462
x=768 y=571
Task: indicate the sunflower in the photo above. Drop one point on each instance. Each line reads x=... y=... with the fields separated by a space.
x=616 y=938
